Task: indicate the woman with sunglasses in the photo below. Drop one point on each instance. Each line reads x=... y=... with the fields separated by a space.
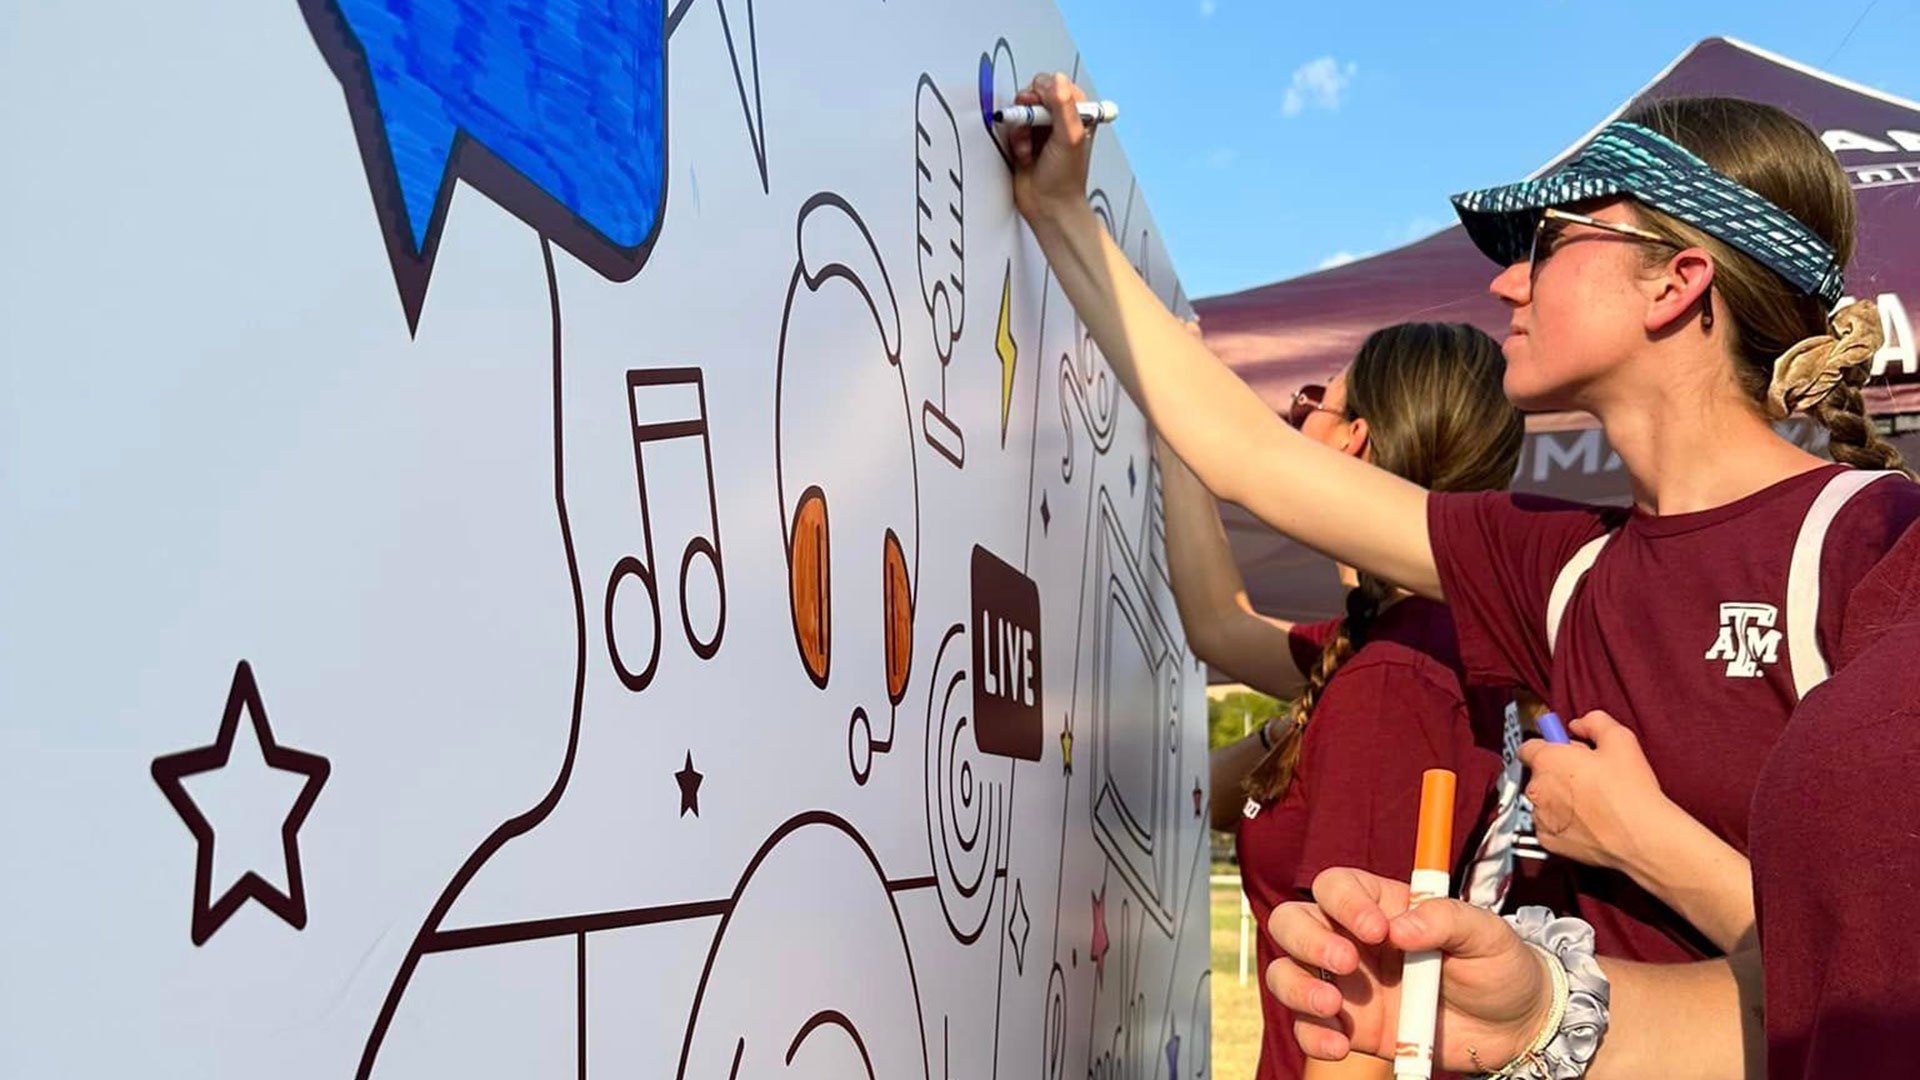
x=1312 y=789
x=1679 y=292
x=1836 y=865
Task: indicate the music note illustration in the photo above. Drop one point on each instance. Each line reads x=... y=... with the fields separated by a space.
x=667 y=405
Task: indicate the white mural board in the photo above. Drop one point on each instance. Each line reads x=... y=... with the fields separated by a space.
x=574 y=538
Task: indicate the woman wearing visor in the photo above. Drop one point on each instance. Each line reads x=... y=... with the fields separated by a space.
x=1674 y=278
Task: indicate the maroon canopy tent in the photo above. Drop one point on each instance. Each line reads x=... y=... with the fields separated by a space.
x=1306 y=328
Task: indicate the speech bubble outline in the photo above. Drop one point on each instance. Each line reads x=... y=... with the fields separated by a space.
x=558 y=158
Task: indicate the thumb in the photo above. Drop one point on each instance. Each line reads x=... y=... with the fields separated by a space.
x=1452 y=927
x=1530 y=750
x=1598 y=728
x=1537 y=754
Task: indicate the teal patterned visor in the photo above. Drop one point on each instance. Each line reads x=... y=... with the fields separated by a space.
x=1627 y=159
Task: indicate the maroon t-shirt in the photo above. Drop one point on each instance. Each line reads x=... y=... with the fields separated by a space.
x=1678 y=631
x=1397 y=707
x=1836 y=849
x=1306 y=641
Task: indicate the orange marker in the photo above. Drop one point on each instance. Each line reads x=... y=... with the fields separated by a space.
x=1420 y=972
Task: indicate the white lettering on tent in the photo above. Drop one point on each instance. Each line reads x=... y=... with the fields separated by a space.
x=1839 y=139
x=1896 y=334
x=1582 y=452
x=1887 y=174
x=1907 y=140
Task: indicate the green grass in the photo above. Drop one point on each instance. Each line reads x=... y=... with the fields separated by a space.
x=1236 y=1008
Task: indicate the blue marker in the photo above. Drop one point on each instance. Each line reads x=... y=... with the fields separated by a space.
x=1551 y=729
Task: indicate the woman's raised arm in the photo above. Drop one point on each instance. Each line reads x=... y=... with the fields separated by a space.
x=1239 y=449
x=1220 y=622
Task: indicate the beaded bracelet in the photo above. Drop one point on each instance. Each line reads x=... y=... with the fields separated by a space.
x=1577 y=1020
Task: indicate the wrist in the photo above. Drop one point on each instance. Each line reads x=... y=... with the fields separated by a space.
x=1563 y=1041
x=1056 y=217
x=1642 y=852
x=1527 y=1031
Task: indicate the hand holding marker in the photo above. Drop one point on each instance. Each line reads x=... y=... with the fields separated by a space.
x=1091 y=113
x=1420 y=971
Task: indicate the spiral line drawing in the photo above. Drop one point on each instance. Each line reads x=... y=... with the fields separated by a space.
x=968 y=798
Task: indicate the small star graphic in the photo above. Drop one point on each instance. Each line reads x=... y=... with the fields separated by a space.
x=1046 y=515
x=689 y=781
x=1018 y=924
x=1173 y=1058
x=1198 y=797
x=169 y=772
x=1066 y=746
x=1098 y=950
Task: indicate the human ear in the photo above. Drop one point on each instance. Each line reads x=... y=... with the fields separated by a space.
x=1357 y=444
x=1683 y=285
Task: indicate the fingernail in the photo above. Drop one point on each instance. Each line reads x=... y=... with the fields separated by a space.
x=1410 y=923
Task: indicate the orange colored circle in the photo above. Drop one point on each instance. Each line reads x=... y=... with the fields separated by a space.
x=809 y=584
x=899 y=619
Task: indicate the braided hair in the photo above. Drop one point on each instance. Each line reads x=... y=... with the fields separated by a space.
x=1770 y=151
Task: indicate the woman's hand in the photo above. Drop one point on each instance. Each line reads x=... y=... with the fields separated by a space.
x=1602 y=805
x=1050 y=164
x=1495 y=992
x=1595 y=804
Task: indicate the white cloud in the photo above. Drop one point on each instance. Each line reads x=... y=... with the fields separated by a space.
x=1341 y=258
x=1207 y=8
x=1318 y=84
x=1221 y=157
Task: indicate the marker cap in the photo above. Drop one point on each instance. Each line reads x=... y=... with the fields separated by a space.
x=1433 y=843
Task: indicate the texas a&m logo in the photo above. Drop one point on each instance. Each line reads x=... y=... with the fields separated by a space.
x=1747 y=638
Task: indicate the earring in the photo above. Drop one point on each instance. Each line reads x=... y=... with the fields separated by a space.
x=1706 y=308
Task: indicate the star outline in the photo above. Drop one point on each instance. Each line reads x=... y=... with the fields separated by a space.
x=169 y=770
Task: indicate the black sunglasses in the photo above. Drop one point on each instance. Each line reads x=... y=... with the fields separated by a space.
x=1553 y=222
x=1308 y=400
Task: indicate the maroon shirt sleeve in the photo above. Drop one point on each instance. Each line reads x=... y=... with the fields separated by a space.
x=1498 y=555
x=1861 y=535
x=1835 y=859
x=1835 y=866
x=1887 y=597
x=1307 y=640
x=1378 y=726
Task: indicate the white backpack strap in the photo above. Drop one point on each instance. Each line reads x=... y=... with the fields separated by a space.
x=1563 y=585
x=1803 y=577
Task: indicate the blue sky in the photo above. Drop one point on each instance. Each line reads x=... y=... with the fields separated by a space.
x=1272 y=136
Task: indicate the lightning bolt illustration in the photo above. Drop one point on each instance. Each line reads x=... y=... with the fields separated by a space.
x=1009 y=352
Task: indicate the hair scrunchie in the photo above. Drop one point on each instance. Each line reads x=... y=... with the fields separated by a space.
x=1806 y=373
